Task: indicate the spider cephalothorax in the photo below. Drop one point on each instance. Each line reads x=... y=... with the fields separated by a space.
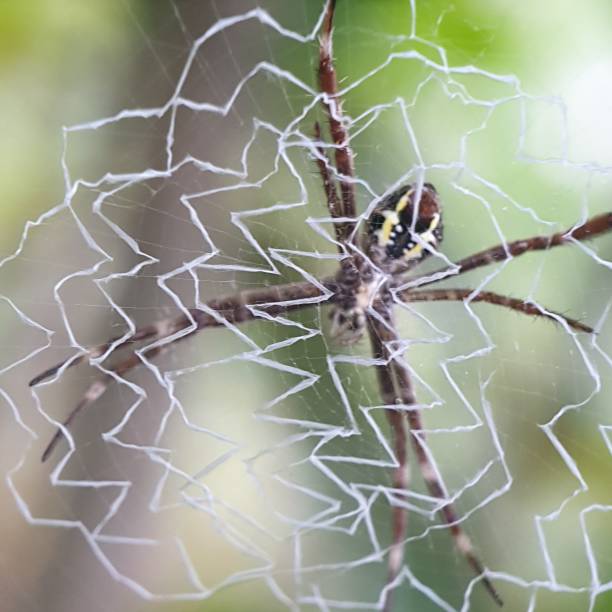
x=406 y=226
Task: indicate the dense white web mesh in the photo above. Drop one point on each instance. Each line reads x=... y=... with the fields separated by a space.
x=249 y=466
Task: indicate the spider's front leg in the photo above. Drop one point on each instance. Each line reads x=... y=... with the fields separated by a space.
x=328 y=83
x=591 y=228
x=354 y=279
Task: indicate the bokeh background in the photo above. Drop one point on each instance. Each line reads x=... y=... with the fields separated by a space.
x=517 y=144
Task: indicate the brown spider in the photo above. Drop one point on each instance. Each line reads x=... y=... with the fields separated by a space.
x=404 y=228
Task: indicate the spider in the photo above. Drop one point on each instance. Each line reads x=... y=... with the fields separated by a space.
x=404 y=228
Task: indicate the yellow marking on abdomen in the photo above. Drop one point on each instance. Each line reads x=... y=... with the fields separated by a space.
x=391 y=220
x=414 y=251
x=427 y=236
x=403 y=201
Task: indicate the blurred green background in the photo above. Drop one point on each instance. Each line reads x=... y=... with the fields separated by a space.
x=517 y=141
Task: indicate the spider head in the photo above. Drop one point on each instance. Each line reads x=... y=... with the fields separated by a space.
x=403 y=228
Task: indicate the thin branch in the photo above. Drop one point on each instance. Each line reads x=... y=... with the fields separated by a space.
x=459 y=295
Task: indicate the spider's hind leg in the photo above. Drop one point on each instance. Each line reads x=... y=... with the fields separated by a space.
x=384 y=337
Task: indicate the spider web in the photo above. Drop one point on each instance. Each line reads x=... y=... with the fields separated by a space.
x=252 y=463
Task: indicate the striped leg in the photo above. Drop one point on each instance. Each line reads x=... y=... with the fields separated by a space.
x=232 y=309
x=401 y=475
x=385 y=330
x=96 y=390
x=459 y=295
x=329 y=186
x=590 y=229
x=328 y=84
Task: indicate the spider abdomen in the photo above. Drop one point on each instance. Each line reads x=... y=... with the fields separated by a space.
x=404 y=229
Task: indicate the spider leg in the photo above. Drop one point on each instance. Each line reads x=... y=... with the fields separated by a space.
x=329 y=186
x=385 y=329
x=401 y=474
x=328 y=84
x=142 y=333
x=96 y=390
x=355 y=274
x=458 y=295
x=591 y=228
x=232 y=309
